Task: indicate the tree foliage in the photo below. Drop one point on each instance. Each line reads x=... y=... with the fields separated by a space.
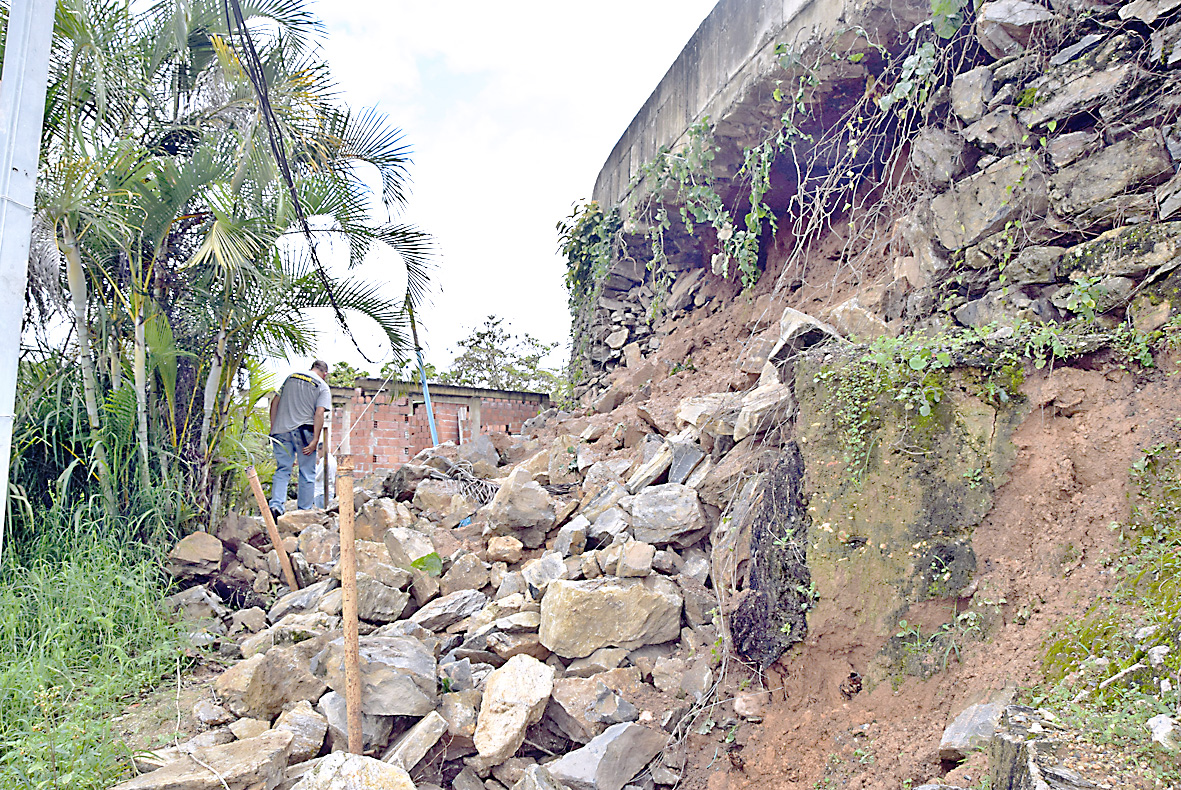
x=495 y=358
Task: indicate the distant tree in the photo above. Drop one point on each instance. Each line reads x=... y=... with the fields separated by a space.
x=407 y=370
x=492 y=357
x=345 y=375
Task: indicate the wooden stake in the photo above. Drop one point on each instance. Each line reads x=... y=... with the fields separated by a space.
x=272 y=529
x=348 y=583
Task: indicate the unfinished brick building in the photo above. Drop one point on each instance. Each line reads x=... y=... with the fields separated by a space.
x=395 y=427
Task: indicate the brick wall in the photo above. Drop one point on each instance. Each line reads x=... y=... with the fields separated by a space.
x=395 y=426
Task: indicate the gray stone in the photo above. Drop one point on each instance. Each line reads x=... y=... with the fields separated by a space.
x=1074 y=87
x=982 y=203
x=467 y=780
x=196 y=556
x=972 y=730
x=610 y=708
x=602 y=660
x=375 y=730
x=1107 y=294
x=209 y=714
x=1067 y=148
x=651 y=469
x=241 y=765
x=763 y=408
x=998 y=132
x=197 y=604
x=971 y=92
x=1004 y=27
x=540 y=572
x=342 y=771
x=514 y=698
x=450 y=609
x=600 y=500
x=536 y=777
x=858 y=322
x=610 y=524
x=307 y=727
x=281 y=677
x=467 y=572
x=230 y=686
x=611 y=760
x=635 y=559
x=571 y=539
x=686 y=456
x=937 y=154
x=460 y=709
x=669 y=513
x=570 y=705
x=397 y=674
x=378 y=603
x=408 y=750
x=477 y=449
x=698 y=680
x=579 y=617
x=522 y=508
x=1109 y=172
x=249 y=728
x=1034 y=265
x=300 y=600
x=1148 y=11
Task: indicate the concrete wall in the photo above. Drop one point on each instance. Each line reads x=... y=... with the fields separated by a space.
x=395 y=426
x=732 y=52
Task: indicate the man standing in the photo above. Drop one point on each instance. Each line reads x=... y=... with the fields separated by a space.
x=297 y=420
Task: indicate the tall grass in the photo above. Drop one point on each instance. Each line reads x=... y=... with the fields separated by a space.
x=80 y=635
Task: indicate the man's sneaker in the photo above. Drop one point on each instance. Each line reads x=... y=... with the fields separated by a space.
x=275 y=513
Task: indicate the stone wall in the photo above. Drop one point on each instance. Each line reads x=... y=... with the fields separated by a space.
x=395 y=426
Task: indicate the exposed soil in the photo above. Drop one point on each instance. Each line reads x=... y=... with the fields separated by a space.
x=1041 y=550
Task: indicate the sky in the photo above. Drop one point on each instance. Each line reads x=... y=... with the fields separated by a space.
x=510 y=109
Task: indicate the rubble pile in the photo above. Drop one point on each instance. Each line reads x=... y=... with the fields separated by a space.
x=557 y=634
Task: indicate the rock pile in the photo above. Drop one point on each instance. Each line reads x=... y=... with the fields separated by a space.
x=555 y=635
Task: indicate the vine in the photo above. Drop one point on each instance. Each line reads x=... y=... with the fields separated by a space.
x=586 y=239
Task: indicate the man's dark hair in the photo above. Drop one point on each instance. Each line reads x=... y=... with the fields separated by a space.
x=320 y=364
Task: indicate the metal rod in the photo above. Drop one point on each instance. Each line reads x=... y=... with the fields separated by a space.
x=327 y=452
x=426 y=393
x=272 y=529
x=348 y=584
x=22 y=111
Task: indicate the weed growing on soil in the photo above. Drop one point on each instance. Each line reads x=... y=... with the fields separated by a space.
x=925 y=654
x=866 y=383
x=1099 y=670
x=77 y=637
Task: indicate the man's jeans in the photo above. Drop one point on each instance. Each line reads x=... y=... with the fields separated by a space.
x=288 y=448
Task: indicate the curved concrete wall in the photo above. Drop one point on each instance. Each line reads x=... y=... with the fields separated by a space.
x=731 y=52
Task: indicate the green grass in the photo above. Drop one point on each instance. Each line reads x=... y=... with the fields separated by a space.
x=1148 y=594
x=79 y=637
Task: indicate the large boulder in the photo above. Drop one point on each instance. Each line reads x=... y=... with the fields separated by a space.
x=196 y=556
x=514 y=698
x=375 y=730
x=231 y=685
x=281 y=677
x=307 y=727
x=341 y=771
x=1110 y=172
x=610 y=760
x=982 y=203
x=579 y=617
x=522 y=508
x=397 y=674
x=240 y=765
x=669 y=513
x=450 y=609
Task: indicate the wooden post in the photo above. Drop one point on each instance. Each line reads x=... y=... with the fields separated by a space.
x=272 y=529
x=348 y=583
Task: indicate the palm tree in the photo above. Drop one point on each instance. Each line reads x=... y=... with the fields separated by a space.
x=172 y=203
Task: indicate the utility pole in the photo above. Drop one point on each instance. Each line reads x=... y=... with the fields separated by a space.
x=22 y=111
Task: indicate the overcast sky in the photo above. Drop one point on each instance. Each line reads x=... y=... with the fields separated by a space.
x=510 y=108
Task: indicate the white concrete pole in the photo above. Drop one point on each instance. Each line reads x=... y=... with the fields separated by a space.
x=22 y=111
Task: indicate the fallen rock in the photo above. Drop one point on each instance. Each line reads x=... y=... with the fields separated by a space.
x=536 y=777
x=669 y=513
x=1109 y=172
x=467 y=572
x=307 y=727
x=971 y=91
x=342 y=771
x=232 y=684
x=375 y=730
x=300 y=600
x=763 y=408
x=522 y=508
x=579 y=617
x=281 y=677
x=397 y=674
x=377 y=602
x=416 y=742
x=571 y=539
x=972 y=730
x=240 y=765
x=196 y=556
x=197 y=605
x=449 y=609
x=504 y=548
x=610 y=760
x=514 y=698
x=937 y=154
x=572 y=698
